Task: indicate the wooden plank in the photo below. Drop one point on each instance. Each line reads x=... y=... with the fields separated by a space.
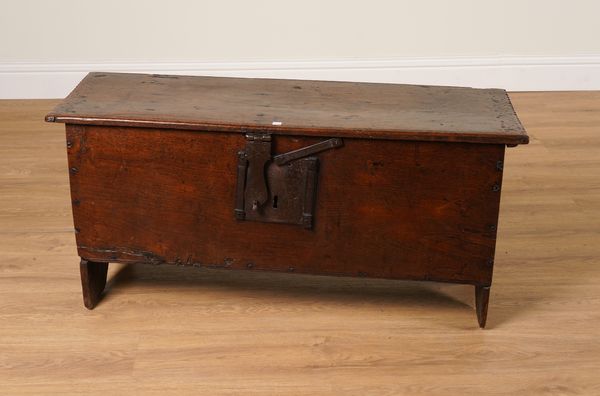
x=394 y=209
x=310 y=108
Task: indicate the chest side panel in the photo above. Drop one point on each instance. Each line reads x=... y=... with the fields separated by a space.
x=390 y=209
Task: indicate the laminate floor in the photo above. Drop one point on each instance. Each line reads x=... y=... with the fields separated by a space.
x=177 y=330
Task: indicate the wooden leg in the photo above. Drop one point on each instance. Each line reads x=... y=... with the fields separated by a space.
x=93 y=280
x=482 y=298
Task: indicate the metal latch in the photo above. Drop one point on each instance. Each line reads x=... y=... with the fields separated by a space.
x=278 y=189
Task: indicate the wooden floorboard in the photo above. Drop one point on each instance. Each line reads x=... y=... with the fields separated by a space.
x=174 y=330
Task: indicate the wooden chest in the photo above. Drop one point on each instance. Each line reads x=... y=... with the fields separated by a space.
x=332 y=178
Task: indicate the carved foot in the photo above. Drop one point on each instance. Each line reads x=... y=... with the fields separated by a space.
x=482 y=298
x=93 y=280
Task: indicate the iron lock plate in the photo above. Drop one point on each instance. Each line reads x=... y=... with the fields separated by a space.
x=280 y=188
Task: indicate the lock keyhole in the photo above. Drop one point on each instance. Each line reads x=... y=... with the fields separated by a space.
x=275 y=199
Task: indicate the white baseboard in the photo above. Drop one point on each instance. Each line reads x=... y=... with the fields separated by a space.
x=56 y=80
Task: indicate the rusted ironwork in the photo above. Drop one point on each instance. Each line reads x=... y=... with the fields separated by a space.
x=285 y=158
x=278 y=189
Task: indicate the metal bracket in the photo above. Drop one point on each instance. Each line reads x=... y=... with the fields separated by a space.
x=279 y=189
x=283 y=159
x=258 y=153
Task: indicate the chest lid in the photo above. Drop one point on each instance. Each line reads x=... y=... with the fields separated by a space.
x=294 y=107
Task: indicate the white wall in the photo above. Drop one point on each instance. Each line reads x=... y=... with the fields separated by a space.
x=521 y=44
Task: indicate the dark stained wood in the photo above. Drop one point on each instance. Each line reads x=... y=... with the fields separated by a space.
x=294 y=107
x=93 y=281
x=394 y=209
x=412 y=191
x=482 y=299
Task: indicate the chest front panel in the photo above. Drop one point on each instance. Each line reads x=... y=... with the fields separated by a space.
x=382 y=208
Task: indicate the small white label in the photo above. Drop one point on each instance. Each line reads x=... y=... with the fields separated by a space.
x=277 y=123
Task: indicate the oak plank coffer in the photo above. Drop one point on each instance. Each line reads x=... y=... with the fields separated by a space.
x=332 y=178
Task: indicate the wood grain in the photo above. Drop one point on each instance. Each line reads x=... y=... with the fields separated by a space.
x=181 y=330
x=294 y=107
x=393 y=209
